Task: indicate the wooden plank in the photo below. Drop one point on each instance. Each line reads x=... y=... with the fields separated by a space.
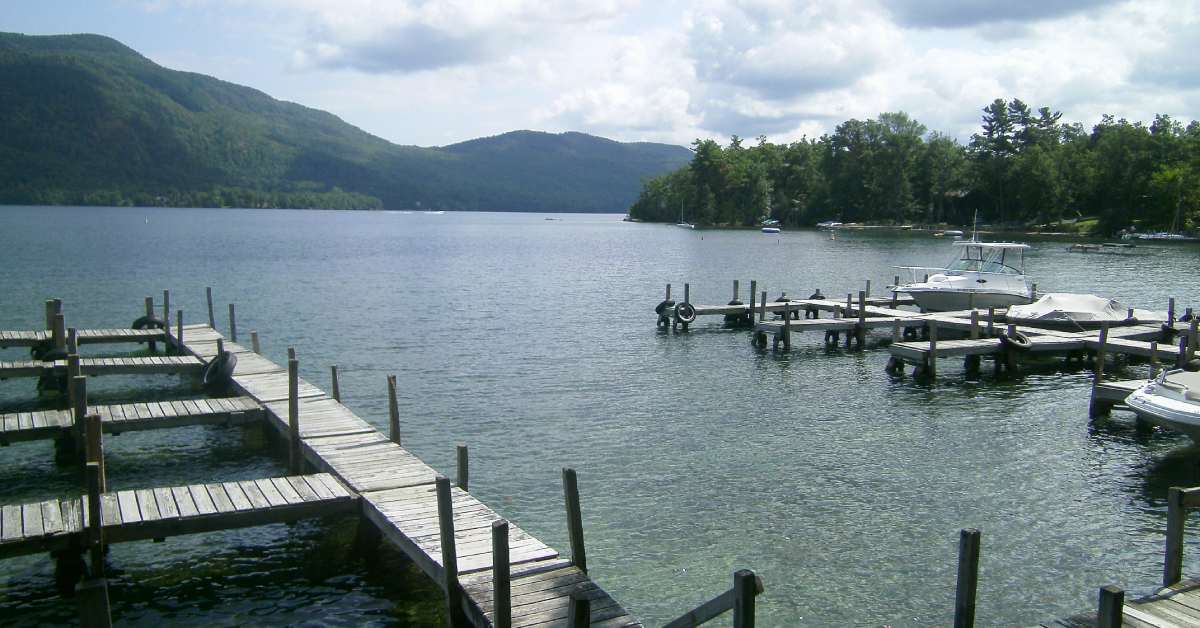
x=256 y=497
x=52 y=522
x=220 y=498
x=165 y=500
x=147 y=505
x=184 y=502
x=301 y=487
x=237 y=496
x=285 y=489
x=127 y=501
x=110 y=510
x=203 y=499
x=268 y=490
x=31 y=519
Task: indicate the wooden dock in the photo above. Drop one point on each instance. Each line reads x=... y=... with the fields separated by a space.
x=33 y=338
x=131 y=417
x=165 y=365
x=400 y=496
x=134 y=515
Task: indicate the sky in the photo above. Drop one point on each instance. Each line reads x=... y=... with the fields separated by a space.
x=436 y=72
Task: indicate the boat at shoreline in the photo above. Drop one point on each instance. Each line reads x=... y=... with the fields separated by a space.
x=982 y=275
x=1171 y=400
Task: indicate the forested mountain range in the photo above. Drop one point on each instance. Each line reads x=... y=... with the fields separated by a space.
x=87 y=120
x=1024 y=167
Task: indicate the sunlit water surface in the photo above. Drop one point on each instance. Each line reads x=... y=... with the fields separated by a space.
x=533 y=342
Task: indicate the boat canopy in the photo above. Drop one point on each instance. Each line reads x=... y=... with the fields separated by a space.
x=988 y=257
x=1063 y=306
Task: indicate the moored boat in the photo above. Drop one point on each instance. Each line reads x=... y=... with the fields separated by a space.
x=982 y=275
x=1172 y=400
x=1064 y=310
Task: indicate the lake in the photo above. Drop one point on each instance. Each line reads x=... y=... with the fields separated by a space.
x=533 y=342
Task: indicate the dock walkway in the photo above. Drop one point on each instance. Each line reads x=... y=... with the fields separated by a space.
x=33 y=338
x=167 y=364
x=130 y=417
x=134 y=515
x=399 y=497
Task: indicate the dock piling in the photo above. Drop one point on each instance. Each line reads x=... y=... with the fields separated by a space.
x=254 y=346
x=744 y=590
x=51 y=309
x=932 y=357
x=94 y=445
x=295 y=462
x=335 y=384
x=454 y=611
x=991 y=326
x=736 y=292
x=1153 y=359
x=574 y=519
x=59 y=332
x=762 y=307
x=1095 y=407
x=72 y=340
x=179 y=332
x=1111 y=607
x=291 y=352
x=868 y=290
x=166 y=317
x=968 y=578
x=750 y=308
x=393 y=411
x=150 y=314
x=212 y=320
x=860 y=332
x=501 y=576
x=94 y=610
x=232 y=324
x=463 y=467
x=974 y=324
x=579 y=609
x=668 y=297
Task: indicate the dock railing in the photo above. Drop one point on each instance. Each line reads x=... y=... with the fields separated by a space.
x=739 y=599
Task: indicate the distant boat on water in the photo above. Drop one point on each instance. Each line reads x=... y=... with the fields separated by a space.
x=770 y=229
x=436 y=213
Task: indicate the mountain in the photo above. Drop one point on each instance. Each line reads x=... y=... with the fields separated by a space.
x=86 y=120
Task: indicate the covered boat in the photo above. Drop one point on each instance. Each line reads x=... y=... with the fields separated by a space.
x=1172 y=400
x=981 y=275
x=1078 y=311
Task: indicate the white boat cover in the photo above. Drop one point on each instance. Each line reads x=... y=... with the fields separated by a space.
x=1067 y=307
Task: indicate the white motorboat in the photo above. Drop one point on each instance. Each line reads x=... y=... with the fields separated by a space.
x=1064 y=310
x=981 y=275
x=770 y=229
x=1172 y=400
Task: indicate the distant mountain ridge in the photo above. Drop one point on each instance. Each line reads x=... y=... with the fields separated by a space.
x=85 y=119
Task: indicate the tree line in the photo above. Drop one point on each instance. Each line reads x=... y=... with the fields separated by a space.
x=1023 y=168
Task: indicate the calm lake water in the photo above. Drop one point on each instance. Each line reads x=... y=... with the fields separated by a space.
x=533 y=342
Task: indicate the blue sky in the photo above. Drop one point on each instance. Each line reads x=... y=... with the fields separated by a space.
x=435 y=72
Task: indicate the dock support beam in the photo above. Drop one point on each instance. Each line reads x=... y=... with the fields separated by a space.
x=574 y=519
x=744 y=590
x=968 y=578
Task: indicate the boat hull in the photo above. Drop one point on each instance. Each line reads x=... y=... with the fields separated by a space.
x=1167 y=412
x=941 y=300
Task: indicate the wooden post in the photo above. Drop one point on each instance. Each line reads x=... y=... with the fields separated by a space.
x=687 y=293
x=59 y=333
x=579 y=609
x=1193 y=337
x=744 y=590
x=94 y=444
x=1181 y=358
x=1094 y=409
x=849 y=304
x=295 y=462
x=868 y=290
x=574 y=519
x=895 y=284
x=78 y=393
x=668 y=297
x=72 y=340
x=736 y=292
x=254 y=346
x=179 y=331
x=95 y=533
x=335 y=383
x=991 y=328
x=51 y=310
x=1173 y=554
x=750 y=311
x=968 y=578
x=971 y=301
x=787 y=326
x=463 y=468
x=232 y=324
x=501 y=576
x=212 y=320
x=1153 y=359
x=94 y=611
x=291 y=353
x=1033 y=291
x=896 y=331
x=762 y=310
x=167 y=308
x=860 y=334
x=932 y=349
x=150 y=314
x=454 y=611
x=221 y=346
x=1171 y=312
x=1111 y=607
x=393 y=411
x=974 y=324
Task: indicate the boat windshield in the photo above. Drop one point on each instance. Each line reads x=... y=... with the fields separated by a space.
x=978 y=259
